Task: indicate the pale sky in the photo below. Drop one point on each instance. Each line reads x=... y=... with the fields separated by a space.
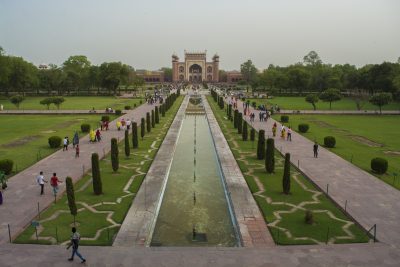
x=144 y=34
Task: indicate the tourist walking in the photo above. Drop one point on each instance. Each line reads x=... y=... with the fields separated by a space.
x=98 y=135
x=54 y=183
x=289 y=134
x=75 y=140
x=118 y=125
x=77 y=151
x=1 y=196
x=40 y=180
x=75 y=238
x=315 y=148
x=65 y=143
x=128 y=124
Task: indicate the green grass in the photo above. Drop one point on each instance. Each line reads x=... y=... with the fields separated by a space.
x=353 y=133
x=75 y=102
x=273 y=202
x=24 y=138
x=299 y=103
x=113 y=200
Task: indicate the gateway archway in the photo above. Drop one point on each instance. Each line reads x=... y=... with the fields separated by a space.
x=195 y=73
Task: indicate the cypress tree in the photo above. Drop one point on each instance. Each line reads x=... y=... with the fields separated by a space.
x=135 y=142
x=239 y=123
x=261 y=145
x=97 y=185
x=153 y=119
x=127 y=147
x=270 y=156
x=230 y=111
x=244 y=131
x=142 y=126
x=235 y=119
x=148 y=125
x=252 y=134
x=114 y=154
x=163 y=110
x=71 y=197
x=286 y=175
x=157 y=115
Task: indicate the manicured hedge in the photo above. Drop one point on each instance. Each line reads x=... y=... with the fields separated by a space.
x=329 y=141
x=118 y=112
x=303 y=127
x=85 y=128
x=284 y=118
x=6 y=166
x=379 y=165
x=54 y=141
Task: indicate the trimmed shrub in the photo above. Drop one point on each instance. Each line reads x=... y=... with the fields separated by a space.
x=105 y=118
x=309 y=218
x=135 y=142
x=6 y=166
x=127 y=107
x=379 y=165
x=235 y=118
x=142 y=127
x=163 y=110
x=270 y=156
x=85 y=128
x=286 y=175
x=71 y=196
x=245 y=132
x=114 y=154
x=252 y=134
x=127 y=147
x=329 y=141
x=54 y=141
x=134 y=105
x=157 y=115
x=153 y=119
x=261 y=145
x=148 y=123
x=97 y=185
x=140 y=101
x=118 y=112
x=239 y=123
x=284 y=118
x=303 y=127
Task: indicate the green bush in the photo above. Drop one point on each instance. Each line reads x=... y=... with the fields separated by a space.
x=118 y=112
x=71 y=196
x=141 y=102
x=148 y=123
x=134 y=105
x=252 y=134
x=6 y=166
x=309 y=218
x=105 y=118
x=85 y=128
x=329 y=141
x=379 y=165
x=127 y=107
x=135 y=142
x=303 y=127
x=284 y=118
x=286 y=175
x=270 y=156
x=54 y=141
x=244 y=131
x=142 y=127
x=261 y=145
x=96 y=178
x=114 y=154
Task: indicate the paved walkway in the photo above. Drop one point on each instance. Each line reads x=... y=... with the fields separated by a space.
x=54 y=112
x=136 y=229
x=22 y=198
x=252 y=227
x=363 y=255
x=340 y=112
x=369 y=200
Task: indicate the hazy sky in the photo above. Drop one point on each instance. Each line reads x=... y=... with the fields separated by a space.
x=144 y=34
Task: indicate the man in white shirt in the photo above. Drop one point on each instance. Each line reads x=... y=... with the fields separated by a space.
x=40 y=180
x=128 y=124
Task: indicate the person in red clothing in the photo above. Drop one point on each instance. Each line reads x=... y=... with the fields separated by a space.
x=77 y=151
x=54 y=183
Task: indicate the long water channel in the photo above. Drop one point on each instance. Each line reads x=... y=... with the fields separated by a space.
x=194 y=210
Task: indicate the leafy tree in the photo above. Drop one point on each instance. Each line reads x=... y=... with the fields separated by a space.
x=252 y=134
x=17 y=100
x=286 y=175
x=153 y=119
x=97 y=184
x=312 y=59
x=239 y=122
x=157 y=115
x=167 y=74
x=235 y=118
x=270 y=156
x=58 y=101
x=112 y=75
x=71 y=197
x=249 y=71
x=330 y=95
x=142 y=127
x=127 y=147
x=114 y=154
x=135 y=142
x=298 y=78
x=22 y=74
x=47 y=102
x=261 y=145
x=163 y=109
x=312 y=99
x=380 y=100
x=77 y=71
x=245 y=132
x=148 y=123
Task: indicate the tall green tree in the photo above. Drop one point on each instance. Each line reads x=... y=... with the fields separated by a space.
x=135 y=142
x=286 y=175
x=127 y=147
x=157 y=115
x=71 y=197
x=17 y=100
x=261 y=145
x=153 y=119
x=270 y=156
x=239 y=122
x=330 y=95
x=114 y=154
x=249 y=72
x=380 y=100
x=142 y=127
x=312 y=99
x=245 y=132
x=97 y=184
x=148 y=123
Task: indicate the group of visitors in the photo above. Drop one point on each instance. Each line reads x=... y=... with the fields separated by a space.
x=123 y=124
x=95 y=136
x=104 y=125
x=54 y=182
x=75 y=143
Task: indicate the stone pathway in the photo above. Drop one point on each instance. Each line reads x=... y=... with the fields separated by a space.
x=22 y=198
x=370 y=201
x=55 y=112
x=339 y=112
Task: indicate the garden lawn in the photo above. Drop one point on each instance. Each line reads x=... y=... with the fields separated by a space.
x=75 y=102
x=359 y=138
x=285 y=214
x=113 y=203
x=299 y=103
x=24 y=138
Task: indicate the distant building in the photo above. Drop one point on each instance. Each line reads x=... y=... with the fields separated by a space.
x=195 y=68
x=151 y=76
x=233 y=76
x=43 y=67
